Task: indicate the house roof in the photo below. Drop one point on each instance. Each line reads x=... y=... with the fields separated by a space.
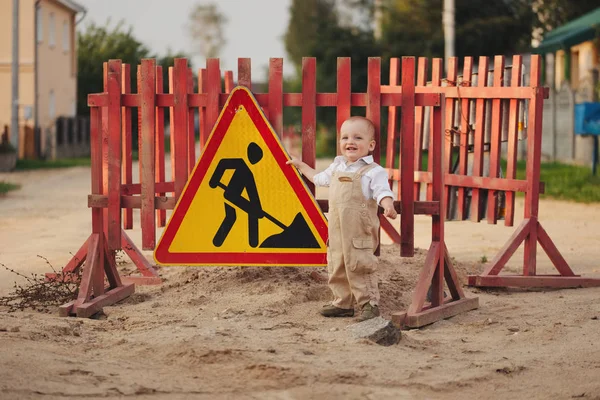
x=582 y=29
x=70 y=4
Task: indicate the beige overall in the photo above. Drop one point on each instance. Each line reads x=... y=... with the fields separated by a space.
x=353 y=238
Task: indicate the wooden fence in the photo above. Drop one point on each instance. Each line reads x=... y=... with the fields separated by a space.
x=115 y=194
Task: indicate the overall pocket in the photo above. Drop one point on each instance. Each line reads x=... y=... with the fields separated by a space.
x=364 y=261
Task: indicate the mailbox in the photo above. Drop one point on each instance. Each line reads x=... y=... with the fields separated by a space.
x=587 y=118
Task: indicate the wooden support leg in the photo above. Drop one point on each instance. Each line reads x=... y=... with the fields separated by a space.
x=149 y=273
x=421 y=313
x=92 y=294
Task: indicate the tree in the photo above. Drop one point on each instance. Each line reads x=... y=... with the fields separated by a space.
x=550 y=14
x=98 y=44
x=205 y=28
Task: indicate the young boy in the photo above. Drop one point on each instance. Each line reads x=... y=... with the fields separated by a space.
x=356 y=186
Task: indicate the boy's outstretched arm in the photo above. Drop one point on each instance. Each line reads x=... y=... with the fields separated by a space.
x=303 y=167
x=388 y=207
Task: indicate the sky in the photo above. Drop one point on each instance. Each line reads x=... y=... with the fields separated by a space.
x=254 y=29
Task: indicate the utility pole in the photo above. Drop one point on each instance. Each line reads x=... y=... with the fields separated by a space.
x=14 y=119
x=448 y=22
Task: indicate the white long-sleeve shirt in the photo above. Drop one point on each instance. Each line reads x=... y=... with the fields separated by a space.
x=374 y=182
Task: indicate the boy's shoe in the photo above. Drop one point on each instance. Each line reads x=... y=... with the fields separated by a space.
x=368 y=311
x=330 y=310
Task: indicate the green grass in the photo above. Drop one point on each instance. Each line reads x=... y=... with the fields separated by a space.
x=6 y=187
x=24 y=165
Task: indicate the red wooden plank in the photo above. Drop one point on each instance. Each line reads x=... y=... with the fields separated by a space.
x=136 y=188
x=532 y=168
x=159 y=160
x=309 y=113
x=344 y=90
x=202 y=77
x=96 y=148
x=474 y=92
x=392 y=126
x=479 y=138
x=437 y=68
x=509 y=248
x=374 y=102
x=191 y=136
x=104 y=141
x=147 y=90
x=496 y=131
x=452 y=281
x=172 y=127
x=213 y=89
x=91 y=264
x=436 y=150
x=513 y=132
x=276 y=95
x=127 y=142
x=229 y=85
x=244 y=73
x=465 y=133
x=407 y=218
x=425 y=276
x=546 y=281
x=553 y=253
x=451 y=78
x=180 y=124
x=422 y=74
x=113 y=180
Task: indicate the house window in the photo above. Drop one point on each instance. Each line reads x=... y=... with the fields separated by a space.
x=51 y=31
x=39 y=25
x=51 y=105
x=66 y=39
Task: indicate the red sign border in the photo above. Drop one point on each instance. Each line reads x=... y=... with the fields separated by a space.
x=240 y=96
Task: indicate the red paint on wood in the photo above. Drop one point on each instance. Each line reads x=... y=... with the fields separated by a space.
x=229 y=84
x=496 y=131
x=159 y=160
x=127 y=142
x=374 y=101
x=344 y=90
x=407 y=218
x=204 y=132
x=513 y=133
x=422 y=73
x=191 y=136
x=479 y=138
x=147 y=91
x=180 y=124
x=213 y=89
x=245 y=73
x=448 y=134
x=309 y=113
x=390 y=155
x=276 y=95
x=113 y=180
x=465 y=135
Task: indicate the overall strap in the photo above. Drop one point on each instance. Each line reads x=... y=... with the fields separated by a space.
x=365 y=168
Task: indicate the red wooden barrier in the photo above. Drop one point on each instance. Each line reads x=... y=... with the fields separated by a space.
x=113 y=189
x=462 y=138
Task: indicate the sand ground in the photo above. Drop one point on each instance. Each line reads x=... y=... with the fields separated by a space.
x=254 y=333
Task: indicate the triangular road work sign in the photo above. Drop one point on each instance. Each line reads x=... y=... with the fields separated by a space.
x=243 y=205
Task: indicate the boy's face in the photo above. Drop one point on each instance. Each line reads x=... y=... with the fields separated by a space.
x=356 y=141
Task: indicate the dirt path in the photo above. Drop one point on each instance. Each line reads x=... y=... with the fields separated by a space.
x=250 y=333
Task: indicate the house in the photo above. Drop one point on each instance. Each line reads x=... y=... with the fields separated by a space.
x=572 y=62
x=47 y=69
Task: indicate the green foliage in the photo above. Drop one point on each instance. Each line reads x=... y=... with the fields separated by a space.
x=6 y=187
x=6 y=147
x=98 y=44
x=24 y=165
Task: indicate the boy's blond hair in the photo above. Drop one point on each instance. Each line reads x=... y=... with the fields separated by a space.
x=368 y=124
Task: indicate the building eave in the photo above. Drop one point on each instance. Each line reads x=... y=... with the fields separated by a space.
x=71 y=5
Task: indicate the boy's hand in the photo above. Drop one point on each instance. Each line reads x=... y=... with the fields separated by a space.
x=295 y=162
x=388 y=208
